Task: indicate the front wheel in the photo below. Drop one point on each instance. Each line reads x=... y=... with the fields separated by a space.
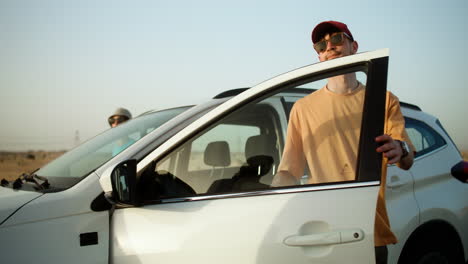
x=433 y=258
x=432 y=252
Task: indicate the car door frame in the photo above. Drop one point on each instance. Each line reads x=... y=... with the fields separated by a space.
x=369 y=166
x=375 y=61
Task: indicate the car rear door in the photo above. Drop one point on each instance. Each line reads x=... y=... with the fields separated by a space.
x=206 y=193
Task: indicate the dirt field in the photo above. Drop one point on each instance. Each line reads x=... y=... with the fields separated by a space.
x=13 y=164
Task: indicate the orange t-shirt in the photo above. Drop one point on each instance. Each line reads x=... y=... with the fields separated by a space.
x=323 y=133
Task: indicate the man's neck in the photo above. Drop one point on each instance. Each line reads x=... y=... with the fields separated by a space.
x=342 y=84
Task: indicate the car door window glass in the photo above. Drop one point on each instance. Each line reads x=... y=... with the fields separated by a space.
x=238 y=153
x=334 y=126
x=243 y=151
x=424 y=138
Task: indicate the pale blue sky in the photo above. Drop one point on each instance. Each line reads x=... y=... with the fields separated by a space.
x=66 y=65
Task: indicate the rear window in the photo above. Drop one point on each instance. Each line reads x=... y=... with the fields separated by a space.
x=424 y=138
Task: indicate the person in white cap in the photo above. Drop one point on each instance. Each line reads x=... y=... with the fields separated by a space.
x=120 y=116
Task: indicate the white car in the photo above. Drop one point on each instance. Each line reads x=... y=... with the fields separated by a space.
x=195 y=187
x=427 y=205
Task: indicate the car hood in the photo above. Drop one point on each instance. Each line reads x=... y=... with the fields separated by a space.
x=11 y=200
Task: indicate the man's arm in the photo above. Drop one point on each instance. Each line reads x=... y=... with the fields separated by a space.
x=392 y=150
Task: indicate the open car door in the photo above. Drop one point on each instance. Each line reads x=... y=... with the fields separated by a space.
x=205 y=195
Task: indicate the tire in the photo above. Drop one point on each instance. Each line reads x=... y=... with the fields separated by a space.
x=432 y=252
x=433 y=258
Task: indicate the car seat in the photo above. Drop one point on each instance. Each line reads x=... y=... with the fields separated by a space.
x=217 y=154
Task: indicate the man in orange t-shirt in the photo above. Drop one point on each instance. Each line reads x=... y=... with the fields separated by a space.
x=324 y=129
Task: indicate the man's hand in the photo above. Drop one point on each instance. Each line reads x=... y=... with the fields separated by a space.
x=391 y=149
x=283 y=178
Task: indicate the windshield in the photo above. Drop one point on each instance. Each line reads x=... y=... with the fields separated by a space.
x=79 y=162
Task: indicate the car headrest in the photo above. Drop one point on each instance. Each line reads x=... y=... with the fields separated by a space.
x=259 y=151
x=217 y=154
x=261 y=145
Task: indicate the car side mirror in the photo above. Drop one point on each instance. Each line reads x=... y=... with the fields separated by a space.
x=123 y=179
x=460 y=171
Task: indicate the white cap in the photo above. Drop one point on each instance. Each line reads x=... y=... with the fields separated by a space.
x=122 y=112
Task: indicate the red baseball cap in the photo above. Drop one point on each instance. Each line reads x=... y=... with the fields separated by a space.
x=329 y=26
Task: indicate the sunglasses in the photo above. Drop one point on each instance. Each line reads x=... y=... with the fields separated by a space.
x=118 y=119
x=336 y=39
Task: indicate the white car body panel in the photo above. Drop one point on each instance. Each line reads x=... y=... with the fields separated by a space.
x=400 y=198
x=432 y=176
x=51 y=225
x=246 y=229
x=12 y=200
x=413 y=201
x=450 y=205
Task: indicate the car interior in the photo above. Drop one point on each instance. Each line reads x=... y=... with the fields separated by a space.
x=238 y=153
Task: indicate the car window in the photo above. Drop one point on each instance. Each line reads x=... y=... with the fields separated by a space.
x=242 y=151
x=209 y=162
x=424 y=138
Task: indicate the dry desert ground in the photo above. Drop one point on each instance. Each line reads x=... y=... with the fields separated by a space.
x=13 y=164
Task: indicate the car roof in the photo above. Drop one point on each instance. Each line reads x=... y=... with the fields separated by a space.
x=159 y=110
x=234 y=92
x=226 y=95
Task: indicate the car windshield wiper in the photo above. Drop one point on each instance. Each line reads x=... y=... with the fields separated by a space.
x=32 y=177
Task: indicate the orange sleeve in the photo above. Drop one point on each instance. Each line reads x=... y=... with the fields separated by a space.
x=395 y=122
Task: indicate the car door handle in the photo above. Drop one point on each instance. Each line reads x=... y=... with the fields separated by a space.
x=396 y=182
x=328 y=238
